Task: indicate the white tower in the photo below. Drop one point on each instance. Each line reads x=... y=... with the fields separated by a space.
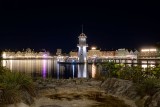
x=82 y=51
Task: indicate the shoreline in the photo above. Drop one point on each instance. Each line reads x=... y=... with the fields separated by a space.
x=82 y=92
x=72 y=91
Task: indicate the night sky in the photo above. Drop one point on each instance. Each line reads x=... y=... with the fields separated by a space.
x=51 y=25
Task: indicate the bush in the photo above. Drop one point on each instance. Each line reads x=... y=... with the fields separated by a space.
x=156 y=71
x=109 y=69
x=13 y=85
x=125 y=73
x=148 y=87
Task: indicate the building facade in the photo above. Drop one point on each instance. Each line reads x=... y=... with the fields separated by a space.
x=119 y=54
x=27 y=54
x=148 y=53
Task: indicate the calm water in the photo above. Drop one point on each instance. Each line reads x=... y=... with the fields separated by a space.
x=51 y=69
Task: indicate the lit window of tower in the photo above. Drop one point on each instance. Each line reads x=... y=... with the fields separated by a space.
x=82 y=48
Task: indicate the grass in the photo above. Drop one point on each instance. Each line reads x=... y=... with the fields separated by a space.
x=13 y=85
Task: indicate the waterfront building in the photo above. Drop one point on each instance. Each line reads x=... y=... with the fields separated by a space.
x=28 y=54
x=149 y=57
x=59 y=52
x=93 y=53
x=148 y=53
x=125 y=54
x=108 y=54
x=121 y=53
x=118 y=54
x=73 y=54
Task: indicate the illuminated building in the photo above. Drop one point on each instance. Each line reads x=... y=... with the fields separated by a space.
x=119 y=54
x=148 y=53
x=93 y=53
x=108 y=54
x=124 y=53
x=82 y=48
x=28 y=54
x=73 y=54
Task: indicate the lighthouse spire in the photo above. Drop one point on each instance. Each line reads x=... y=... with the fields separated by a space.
x=82 y=28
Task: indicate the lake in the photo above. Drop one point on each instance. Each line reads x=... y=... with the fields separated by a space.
x=49 y=68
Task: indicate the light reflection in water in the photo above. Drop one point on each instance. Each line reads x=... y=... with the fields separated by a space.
x=57 y=71
x=11 y=64
x=93 y=70
x=4 y=63
x=82 y=70
x=73 y=70
x=30 y=66
x=50 y=68
x=44 y=69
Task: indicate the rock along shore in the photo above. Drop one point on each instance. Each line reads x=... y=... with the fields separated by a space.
x=88 y=93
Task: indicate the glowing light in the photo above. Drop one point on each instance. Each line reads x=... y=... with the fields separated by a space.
x=153 y=50
x=73 y=70
x=82 y=71
x=4 y=55
x=4 y=63
x=93 y=48
x=149 y=50
x=12 y=55
x=44 y=55
x=144 y=66
x=44 y=72
x=93 y=71
x=152 y=65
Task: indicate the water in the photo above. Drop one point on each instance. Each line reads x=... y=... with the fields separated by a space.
x=51 y=69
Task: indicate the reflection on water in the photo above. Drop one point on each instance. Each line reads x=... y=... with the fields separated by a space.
x=73 y=68
x=29 y=66
x=93 y=70
x=82 y=71
x=44 y=68
x=51 y=69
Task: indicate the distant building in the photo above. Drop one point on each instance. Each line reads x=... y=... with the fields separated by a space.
x=59 y=52
x=93 y=53
x=148 y=53
x=73 y=54
x=25 y=54
x=120 y=53
x=124 y=53
x=108 y=54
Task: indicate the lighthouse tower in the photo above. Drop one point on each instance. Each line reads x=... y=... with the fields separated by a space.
x=82 y=48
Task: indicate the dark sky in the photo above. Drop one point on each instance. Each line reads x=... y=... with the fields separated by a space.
x=52 y=25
